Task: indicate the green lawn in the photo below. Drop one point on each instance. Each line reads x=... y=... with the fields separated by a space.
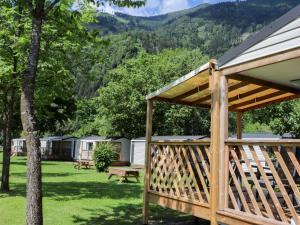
x=82 y=197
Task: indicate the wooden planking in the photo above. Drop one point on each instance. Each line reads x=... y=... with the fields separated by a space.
x=267 y=102
x=191 y=92
x=182 y=85
x=284 y=142
x=261 y=101
x=264 y=83
x=181 y=206
x=180 y=102
x=232 y=87
x=178 y=142
x=234 y=217
x=247 y=94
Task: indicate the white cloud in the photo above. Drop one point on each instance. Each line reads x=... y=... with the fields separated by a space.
x=152 y=7
x=157 y=7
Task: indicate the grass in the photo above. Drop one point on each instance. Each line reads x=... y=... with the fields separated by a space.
x=82 y=197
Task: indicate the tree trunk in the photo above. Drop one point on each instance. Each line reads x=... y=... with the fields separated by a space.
x=34 y=215
x=9 y=103
x=6 y=157
x=7 y=137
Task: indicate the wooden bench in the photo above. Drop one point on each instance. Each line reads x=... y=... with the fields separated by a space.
x=83 y=163
x=123 y=173
x=86 y=160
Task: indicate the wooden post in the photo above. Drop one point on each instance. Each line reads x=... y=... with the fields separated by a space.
x=147 y=161
x=239 y=125
x=219 y=133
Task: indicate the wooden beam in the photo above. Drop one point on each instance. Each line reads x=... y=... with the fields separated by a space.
x=268 y=60
x=247 y=94
x=288 y=98
x=239 y=125
x=222 y=151
x=257 y=100
x=161 y=99
x=191 y=92
x=237 y=86
x=201 y=100
x=231 y=88
x=230 y=216
x=181 y=205
x=147 y=161
x=219 y=133
x=264 y=83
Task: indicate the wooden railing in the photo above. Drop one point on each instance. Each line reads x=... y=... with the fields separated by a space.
x=181 y=170
x=263 y=180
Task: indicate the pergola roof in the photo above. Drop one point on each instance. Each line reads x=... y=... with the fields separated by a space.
x=248 y=87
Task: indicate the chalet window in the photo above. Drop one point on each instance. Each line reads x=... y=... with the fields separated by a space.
x=89 y=146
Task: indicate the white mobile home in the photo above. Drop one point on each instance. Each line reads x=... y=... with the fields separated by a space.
x=137 y=148
x=58 y=148
x=18 y=146
x=89 y=144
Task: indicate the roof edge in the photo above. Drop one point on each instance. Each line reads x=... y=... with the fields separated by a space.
x=180 y=80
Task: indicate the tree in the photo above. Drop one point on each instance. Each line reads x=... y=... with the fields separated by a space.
x=122 y=110
x=12 y=36
x=39 y=10
x=282 y=118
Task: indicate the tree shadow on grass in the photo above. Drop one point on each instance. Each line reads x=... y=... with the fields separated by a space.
x=22 y=162
x=66 y=191
x=45 y=175
x=131 y=214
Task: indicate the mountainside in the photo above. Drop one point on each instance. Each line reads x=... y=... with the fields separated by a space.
x=241 y=15
x=212 y=29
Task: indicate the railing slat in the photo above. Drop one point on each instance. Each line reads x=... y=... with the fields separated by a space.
x=260 y=182
x=257 y=185
x=245 y=181
x=185 y=172
x=200 y=174
x=175 y=171
x=238 y=188
x=287 y=174
x=268 y=185
x=193 y=175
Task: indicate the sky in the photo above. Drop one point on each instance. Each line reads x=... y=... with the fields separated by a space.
x=157 y=7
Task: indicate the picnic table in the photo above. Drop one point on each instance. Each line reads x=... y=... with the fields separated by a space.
x=83 y=163
x=123 y=173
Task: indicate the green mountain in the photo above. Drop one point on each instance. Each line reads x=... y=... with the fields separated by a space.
x=212 y=29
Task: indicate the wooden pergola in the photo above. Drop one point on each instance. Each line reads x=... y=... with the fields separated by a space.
x=225 y=180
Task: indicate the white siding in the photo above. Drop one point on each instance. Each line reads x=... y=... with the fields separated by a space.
x=138 y=152
x=125 y=150
x=284 y=39
x=76 y=155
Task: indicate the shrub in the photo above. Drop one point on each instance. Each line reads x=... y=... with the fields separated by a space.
x=104 y=155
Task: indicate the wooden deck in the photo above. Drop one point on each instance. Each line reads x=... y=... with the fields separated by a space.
x=257 y=192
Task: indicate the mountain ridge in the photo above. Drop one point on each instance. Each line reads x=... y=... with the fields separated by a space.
x=209 y=29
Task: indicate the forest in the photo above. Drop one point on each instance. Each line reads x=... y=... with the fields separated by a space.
x=96 y=69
